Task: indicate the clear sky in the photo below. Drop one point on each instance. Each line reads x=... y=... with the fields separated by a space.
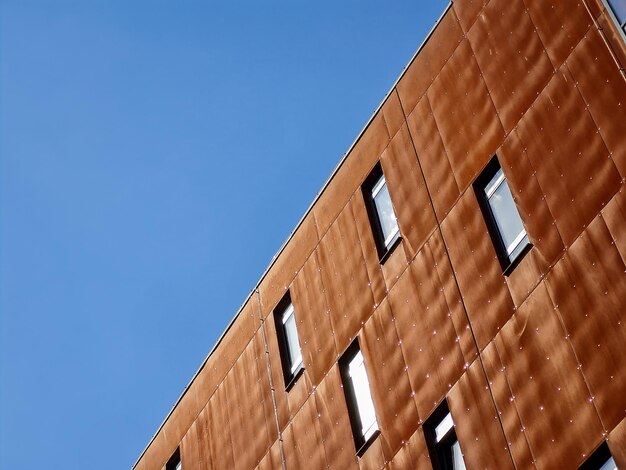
x=154 y=155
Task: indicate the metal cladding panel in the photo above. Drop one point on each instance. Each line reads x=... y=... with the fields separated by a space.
x=465 y=115
x=394 y=265
x=272 y=459
x=276 y=372
x=414 y=454
x=407 y=188
x=613 y=37
x=246 y=413
x=476 y=422
x=452 y=297
x=589 y=288
x=507 y=408
x=428 y=63
x=392 y=113
x=433 y=158
x=560 y=24
x=302 y=438
x=279 y=277
x=604 y=92
x=204 y=439
x=368 y=247
x=428 y=340
x=568 y=155
x=614 y=215
x=617 y=444
x=220 y=444
x=265 y=388
x=513 y=61
x=373 y=458
x=352 y=173
x=478 y=272
x=335 y=423
x=190 y=449
x=391 y=390
x=467 y=11
x=313 y=320
x=345 y=277
x=553 y=401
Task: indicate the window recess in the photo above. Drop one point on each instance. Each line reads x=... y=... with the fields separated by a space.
x=443 y=445
x=288 y=342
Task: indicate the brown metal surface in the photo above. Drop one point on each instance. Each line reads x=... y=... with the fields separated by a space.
x=537 y=83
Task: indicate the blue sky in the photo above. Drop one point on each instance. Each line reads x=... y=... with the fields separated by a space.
x=154 y=155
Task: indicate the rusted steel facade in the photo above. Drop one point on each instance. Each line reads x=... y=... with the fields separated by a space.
x=532 y=363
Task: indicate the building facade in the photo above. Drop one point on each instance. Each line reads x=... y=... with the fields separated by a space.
x=456 y=295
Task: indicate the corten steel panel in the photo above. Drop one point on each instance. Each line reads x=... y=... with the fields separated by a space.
x=560 y=24
x=614 y=215
x=220 y=443
x=413 y=455
x=407 y=188
x=588 y=286
x=604 y=91
x=272 y=459
x=476 y=422
x=511 y=57
x=276 y=372
x=392 y=113
x=433 y=158
x=428 y=339
x=368 y=247
x=204 y=438
x=394 y=265
x=302 y=439
x=246 y=413
x=613 y=38
x=265 y=388
x=452 y=298
x=190 y=449
x=345 y=277
x=568 y=155
x=617 y=444
x=507 y=408
x=553 y=401
x=277 y=281
x=402 y=459
x=354 y=170
x=465 y=115
x=429 y=62
x=477 y=269
x=313 y=319
x=335 y=423
x=373 y=458
x=467 y=11
x=391 y=390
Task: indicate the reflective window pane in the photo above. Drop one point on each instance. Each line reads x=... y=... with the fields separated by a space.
x=457 y=457
x=619 y=8
x=384 y=209
x=365 y=405
x=505 y=214
x=179 y=466
x=609 y=465
x=291 y=337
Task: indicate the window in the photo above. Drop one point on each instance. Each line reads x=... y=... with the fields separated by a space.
x=380 y=210
x=290 y=352
x=174 y=462
x=358 y=397
x=503 y=220
x=443 y=446
x=601 y=459
x=619 y=10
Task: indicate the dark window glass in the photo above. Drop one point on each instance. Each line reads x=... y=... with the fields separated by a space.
x=174 y=463
x=380 y=210
x=601 y=459
x=289 y=344
x=443 y=446
x=358 y=397
x=501 y=214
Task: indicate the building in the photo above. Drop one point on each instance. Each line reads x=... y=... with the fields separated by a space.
x=456 y=294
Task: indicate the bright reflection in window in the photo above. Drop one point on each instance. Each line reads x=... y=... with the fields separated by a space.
x=384 y=209
x=364 y=403
x=291 y=337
